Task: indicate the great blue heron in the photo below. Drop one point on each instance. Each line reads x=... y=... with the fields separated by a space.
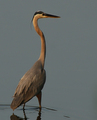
x=33 y=80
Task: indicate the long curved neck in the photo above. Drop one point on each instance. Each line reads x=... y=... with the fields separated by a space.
x=43 y=44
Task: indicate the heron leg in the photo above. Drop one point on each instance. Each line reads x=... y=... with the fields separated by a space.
x=24 y=106
x=39 y=98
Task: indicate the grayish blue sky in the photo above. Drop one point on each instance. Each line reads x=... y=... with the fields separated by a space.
x=71 y=56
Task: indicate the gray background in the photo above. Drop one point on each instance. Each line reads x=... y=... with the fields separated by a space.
x=71 y=58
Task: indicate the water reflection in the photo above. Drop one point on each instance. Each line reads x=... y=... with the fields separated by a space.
x=29 y=109
x=15 y=117
x=39 y=115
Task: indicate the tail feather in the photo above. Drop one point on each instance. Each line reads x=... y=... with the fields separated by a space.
x=17 y=101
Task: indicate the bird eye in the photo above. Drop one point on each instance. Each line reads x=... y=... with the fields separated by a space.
x=43 y=14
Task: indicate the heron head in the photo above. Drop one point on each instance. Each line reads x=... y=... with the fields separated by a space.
x=40 y=14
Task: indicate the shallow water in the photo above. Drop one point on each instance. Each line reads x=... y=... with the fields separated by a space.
x=33 y=112
x=30 y=112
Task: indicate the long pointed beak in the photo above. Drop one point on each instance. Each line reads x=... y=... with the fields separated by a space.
x=51 y=16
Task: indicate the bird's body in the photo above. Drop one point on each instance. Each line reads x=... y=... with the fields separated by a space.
x=32 y=82
x=30 y=85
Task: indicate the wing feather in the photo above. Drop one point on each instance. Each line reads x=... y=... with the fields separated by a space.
x=30 y=84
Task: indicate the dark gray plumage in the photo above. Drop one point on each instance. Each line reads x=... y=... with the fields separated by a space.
x=30 y=85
